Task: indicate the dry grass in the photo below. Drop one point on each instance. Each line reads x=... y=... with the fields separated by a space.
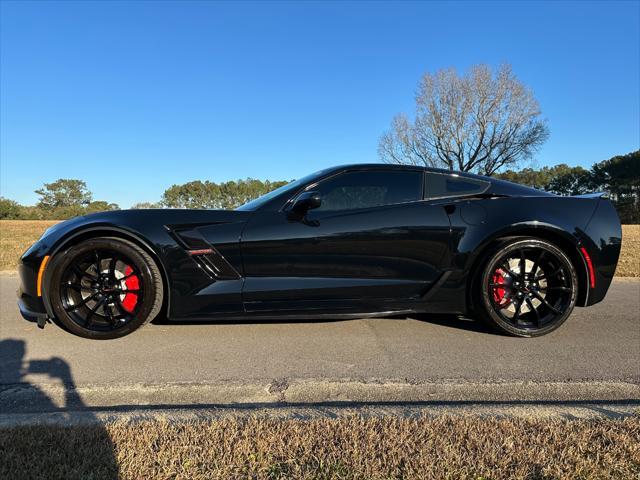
x=17 y=235
x=629 y=263
x=345 y=448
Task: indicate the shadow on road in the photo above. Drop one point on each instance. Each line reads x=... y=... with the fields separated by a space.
x=444 y=320
x=455 y=321
x=40 y=451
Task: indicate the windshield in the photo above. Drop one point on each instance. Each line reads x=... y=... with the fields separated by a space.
x=289 y=187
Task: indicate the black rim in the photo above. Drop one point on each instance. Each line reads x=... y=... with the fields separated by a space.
x=530 y=288
x=102 y=290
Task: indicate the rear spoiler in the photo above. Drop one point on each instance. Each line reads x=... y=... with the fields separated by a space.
x=592 y=195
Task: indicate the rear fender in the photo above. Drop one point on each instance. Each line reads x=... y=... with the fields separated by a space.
x=602 y=239
x=560 y=220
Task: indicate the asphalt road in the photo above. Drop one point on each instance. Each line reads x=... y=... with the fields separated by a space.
x=595 y=355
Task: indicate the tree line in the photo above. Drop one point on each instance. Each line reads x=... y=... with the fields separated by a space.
x=59 y=200
x=65 y=198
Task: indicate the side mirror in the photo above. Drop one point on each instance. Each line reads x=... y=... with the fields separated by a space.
x=305 y=202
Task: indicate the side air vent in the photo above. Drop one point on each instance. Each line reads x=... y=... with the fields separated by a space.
x=205 y=254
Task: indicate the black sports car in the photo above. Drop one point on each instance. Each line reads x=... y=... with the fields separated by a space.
x=349 y=241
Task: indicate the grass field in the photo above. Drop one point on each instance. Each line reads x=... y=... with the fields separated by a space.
x=15 y=238
x=17 y=235
x=455 y=447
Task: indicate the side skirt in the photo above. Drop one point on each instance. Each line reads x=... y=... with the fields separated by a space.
x=293 y=316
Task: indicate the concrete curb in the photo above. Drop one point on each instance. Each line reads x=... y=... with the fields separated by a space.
x=26 y=398
x=583 y=411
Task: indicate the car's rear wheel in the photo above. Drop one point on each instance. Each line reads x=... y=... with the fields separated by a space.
x=104 y=288
x=528 y=287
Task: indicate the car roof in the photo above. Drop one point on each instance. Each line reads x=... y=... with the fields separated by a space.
x=395 y=166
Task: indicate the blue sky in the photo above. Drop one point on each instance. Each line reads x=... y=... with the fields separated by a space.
x=135 y=96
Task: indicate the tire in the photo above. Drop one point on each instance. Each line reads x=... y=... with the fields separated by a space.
x=104 y=288
x=528 y=305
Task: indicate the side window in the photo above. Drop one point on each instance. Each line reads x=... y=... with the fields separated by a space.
x=364 y=189
x=439 y=185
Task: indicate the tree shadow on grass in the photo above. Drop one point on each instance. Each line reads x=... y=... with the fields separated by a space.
x=30 y=446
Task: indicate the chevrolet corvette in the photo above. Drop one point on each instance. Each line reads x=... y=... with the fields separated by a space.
x=352 y=241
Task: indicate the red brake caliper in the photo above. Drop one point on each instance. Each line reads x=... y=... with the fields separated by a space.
x=499 y=292
x=132 y=283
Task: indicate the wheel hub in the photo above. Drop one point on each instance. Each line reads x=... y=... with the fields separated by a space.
x=516 y=286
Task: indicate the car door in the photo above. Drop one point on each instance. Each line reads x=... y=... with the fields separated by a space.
x=372 y=241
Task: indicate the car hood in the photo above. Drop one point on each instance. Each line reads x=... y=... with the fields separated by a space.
x=145 y=223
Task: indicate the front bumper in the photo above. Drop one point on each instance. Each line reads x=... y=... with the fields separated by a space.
x=31 y=315
x=31 y=306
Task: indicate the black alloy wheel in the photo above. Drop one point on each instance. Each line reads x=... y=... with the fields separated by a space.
x=105 y=288
x=529 y=288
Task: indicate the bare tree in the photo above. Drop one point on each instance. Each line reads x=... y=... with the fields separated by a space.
x=478 y=122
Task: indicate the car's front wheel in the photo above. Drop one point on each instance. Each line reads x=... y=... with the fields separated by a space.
x=104 y=288
x=528 y=287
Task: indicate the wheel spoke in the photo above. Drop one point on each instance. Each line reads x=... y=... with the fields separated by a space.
x=551 y=275
x=98 y=262
x=124 y=313
x=82 y=303
x=532 y=308
x=506 y=268
x=109 y=315
x=523 y=264
x=82 y=273
x=92 y=311
x=556 y=289
x=112 y=268
x=502 y=306
x=516 y=315
x=76 y=286
x=536 y=264
x=132 y=274
x=548 y=305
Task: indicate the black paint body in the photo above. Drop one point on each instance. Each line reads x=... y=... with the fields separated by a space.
x=419 y=256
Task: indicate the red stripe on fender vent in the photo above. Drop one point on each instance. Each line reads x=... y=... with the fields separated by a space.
x=202 y=251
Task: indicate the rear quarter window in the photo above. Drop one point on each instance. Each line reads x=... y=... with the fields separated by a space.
x=438 y=185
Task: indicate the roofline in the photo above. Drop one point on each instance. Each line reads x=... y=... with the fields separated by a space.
x=396 y=166
x=497 y=183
